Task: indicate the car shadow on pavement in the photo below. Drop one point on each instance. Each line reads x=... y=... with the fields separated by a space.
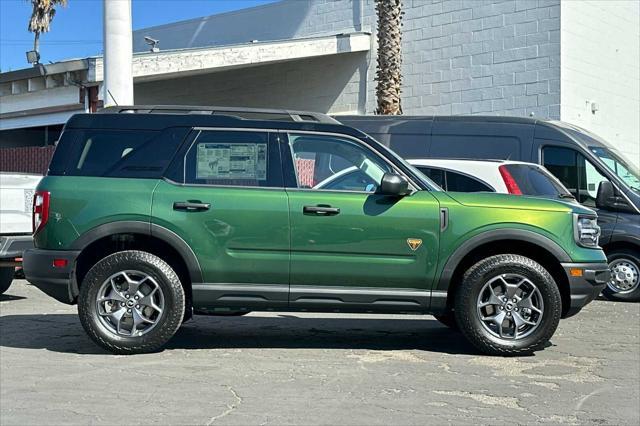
x=63 y=333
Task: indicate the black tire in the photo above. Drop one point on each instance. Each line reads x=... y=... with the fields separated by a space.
x=622 y=256
x=448 y=320
x=467 y=297
x=6 y=276
x=167 y=322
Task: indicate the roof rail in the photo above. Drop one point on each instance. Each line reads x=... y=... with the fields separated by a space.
x=238 y=112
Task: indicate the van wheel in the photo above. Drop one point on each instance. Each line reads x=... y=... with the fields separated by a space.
x=6 y=276
x=131 y=302
x=508 y=305
x=624 y=284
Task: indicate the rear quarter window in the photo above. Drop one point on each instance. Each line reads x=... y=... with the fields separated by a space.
x=533 y=180
x=116 y=153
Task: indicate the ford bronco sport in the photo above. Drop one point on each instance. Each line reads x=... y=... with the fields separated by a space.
x=151 y=214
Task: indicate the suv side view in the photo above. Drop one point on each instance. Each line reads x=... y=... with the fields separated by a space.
x=148 y=217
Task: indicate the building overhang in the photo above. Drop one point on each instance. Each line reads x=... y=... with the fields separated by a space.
x=186 y=62
x=50 y=93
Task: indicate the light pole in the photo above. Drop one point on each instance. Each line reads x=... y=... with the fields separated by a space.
x=118 y=50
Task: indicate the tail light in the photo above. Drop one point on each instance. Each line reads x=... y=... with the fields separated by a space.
x=509 y=181
x=40 y=210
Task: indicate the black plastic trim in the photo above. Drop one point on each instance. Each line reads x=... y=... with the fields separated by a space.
x=492 y=236
x=145 y=228
x=587 y=287
x=55 y=282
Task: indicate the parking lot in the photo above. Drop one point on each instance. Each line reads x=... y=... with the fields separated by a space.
x=283 y=368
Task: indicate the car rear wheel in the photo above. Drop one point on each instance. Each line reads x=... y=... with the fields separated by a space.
x=6 y=276
x=624 y=284
x=508 y=305
x=131 y=302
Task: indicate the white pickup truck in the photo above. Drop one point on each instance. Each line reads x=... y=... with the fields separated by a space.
x=16 y=198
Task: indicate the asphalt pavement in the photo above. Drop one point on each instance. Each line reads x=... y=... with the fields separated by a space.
x=320 y=369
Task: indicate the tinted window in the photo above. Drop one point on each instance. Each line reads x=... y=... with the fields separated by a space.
x=460 y=183
x=233 y=159
x=575 y=172
x=321 y=160
x=534 y=180
x=117 y=153
x=436 y=175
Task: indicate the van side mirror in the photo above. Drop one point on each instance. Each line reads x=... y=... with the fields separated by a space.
x=605 y=196
x=394 y=184
x=608 y=199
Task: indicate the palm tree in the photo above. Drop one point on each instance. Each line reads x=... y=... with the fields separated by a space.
x=389 y=72
x=41 y=17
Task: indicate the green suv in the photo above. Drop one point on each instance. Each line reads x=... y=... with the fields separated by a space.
x=151 y=214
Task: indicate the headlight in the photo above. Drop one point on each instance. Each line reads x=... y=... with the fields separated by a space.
x=586 y=230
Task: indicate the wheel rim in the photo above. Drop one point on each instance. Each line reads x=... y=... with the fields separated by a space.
x=130 y=303
x=625 y=276
x=510 y=306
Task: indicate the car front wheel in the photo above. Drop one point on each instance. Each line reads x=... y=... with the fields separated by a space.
x=131 y=302
x=508 y=305
x=624 y=284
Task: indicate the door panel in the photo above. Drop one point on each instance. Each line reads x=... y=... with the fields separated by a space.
x=232 y=210
x=354 y=253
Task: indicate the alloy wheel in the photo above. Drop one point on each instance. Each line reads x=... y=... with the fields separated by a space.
x=129 y=303
x=510 y=306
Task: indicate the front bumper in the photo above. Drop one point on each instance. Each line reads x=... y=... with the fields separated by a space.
x=12 y=246
x=586 y=287
x=57 y=282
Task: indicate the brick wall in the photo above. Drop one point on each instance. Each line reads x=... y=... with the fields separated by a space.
x=482 y=57
x=26 y=160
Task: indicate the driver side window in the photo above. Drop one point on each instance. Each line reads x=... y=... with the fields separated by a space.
x=326 y=162
x=576 y=173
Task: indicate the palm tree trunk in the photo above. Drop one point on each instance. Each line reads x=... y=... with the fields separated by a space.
x=389 y=72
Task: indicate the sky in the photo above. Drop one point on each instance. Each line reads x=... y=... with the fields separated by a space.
x=76 y=30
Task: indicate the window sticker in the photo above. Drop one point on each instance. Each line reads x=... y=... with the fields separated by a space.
x=232 y=161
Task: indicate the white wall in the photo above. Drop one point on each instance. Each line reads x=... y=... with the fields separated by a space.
x=600 y=62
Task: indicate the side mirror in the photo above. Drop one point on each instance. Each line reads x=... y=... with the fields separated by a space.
x=393 y=184
x=609 y=199
x=606 y=196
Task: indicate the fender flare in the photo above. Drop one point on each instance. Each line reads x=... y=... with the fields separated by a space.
x=144 y=228
x=476 y=241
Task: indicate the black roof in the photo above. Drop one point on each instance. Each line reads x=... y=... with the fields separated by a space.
x=108 y=119
x=467 y=118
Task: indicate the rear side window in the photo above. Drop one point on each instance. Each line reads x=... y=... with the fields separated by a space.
x=535 y=181
x=436 y=175
x=457 y=182
x=115 y=153
x=229 y=158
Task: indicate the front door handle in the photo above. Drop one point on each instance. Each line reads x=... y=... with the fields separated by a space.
x=321 y=210
x=191 y=206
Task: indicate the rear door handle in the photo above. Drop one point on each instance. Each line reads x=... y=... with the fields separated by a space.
x=191 y=206
x=321 y=210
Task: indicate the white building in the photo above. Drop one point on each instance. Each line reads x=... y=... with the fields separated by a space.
x=569 y=60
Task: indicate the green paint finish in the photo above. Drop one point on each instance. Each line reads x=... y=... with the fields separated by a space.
x=472 y=214
x=79 y=204
x=365 y=245
x=257 y=235
x=242 y=238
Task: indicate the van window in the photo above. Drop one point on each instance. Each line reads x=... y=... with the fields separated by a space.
x=575 y=172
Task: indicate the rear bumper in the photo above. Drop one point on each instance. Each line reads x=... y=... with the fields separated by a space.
x=585 y=288
x=57 y=282
x=12 y=246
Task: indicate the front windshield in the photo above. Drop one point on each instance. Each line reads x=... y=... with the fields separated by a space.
x=620 y=167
